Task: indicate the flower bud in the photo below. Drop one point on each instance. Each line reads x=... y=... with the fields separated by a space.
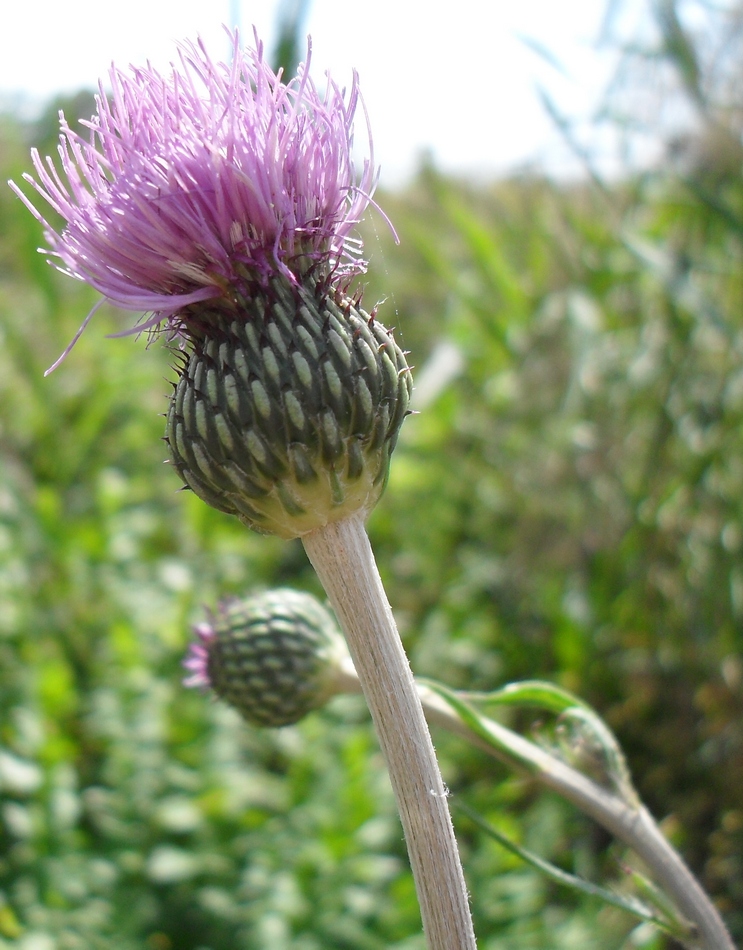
x=288 y=407
x=274 y=656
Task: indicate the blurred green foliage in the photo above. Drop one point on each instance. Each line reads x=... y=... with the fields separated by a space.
x=566 y=505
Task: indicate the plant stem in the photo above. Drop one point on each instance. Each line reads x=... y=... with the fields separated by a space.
x=632 y=824
x=343 y=559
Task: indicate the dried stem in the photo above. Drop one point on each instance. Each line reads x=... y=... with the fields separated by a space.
x=341 y=554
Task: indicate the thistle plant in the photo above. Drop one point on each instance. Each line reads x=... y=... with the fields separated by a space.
x=221 y=200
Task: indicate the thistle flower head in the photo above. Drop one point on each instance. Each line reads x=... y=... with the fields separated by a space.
x=221 y=200
x=273 y=656
x=197 y=184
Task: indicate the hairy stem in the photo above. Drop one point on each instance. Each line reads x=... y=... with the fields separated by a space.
x=341 y=554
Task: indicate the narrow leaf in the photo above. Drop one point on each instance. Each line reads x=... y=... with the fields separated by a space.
x=630 y=904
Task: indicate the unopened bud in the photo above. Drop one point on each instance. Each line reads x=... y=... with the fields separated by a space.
x=274 y=656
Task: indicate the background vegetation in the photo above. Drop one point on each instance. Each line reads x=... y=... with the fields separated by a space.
x=566 y=505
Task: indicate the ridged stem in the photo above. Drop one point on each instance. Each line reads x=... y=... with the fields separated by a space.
x=343 y=559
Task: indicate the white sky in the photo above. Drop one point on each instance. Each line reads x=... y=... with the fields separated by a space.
x=453 y=78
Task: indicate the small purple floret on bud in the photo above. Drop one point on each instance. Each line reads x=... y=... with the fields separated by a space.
x=197 y=658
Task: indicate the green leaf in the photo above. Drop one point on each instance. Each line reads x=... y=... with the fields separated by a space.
x=535 y=693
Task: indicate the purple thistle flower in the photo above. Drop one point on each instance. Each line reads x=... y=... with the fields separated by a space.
x=197 y=657
x=198 y=184
x=220 y=201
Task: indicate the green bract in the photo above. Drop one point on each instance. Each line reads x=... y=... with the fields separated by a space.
x=288 y=407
